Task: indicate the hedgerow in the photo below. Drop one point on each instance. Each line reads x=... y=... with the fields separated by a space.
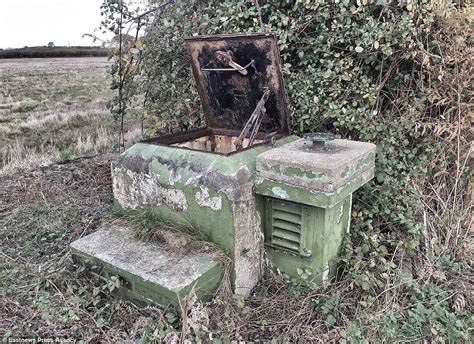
x=395 y=73
x=52 y=52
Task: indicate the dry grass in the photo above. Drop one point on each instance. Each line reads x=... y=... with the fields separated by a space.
x=54 y=109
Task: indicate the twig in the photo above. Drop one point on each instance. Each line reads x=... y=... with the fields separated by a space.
x=154 y=9
x=188 y=303
x=259 y=14
x=3 y=254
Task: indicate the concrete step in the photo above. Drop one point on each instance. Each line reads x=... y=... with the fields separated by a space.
x=151 y=273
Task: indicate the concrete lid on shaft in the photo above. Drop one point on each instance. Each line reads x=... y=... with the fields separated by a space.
x=317 y=168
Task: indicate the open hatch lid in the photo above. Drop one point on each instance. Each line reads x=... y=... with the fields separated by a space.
x=229 y=93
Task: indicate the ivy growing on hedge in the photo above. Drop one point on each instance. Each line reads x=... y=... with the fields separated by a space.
x=364 y=70
x=395 y=73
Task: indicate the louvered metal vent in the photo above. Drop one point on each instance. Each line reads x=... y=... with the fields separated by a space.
x=284 y=226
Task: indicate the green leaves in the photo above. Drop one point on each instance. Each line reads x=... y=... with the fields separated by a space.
x=329 y=308
x=360 y=69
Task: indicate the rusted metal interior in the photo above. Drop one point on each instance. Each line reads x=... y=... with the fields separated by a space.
x=219 y=141
x=215 y=143
x=240 y=85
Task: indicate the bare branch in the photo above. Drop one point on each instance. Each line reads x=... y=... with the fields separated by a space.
x=154 y=9
x=259 y=14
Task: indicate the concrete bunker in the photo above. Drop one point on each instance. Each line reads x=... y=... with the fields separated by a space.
x=243 y=180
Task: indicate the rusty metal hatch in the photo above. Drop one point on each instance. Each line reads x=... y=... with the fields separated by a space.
x=232 y=73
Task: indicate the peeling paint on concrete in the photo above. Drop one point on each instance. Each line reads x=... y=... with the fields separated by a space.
x=279 y=192
x=205 y=200
x=248 y=239
x=325 y=275
x=341 y=213
x=175 y=176
x=193 y=180
x=214 y=185
x=134 y=190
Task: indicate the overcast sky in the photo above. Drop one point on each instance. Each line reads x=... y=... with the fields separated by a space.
x=37 y=22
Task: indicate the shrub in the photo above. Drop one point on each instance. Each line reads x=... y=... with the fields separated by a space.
x=392 y=73
x=51 y=52
x=395 y=73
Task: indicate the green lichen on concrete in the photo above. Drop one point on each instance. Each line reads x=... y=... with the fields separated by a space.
x=369 y=159
x=294 y=171
x=345 y=171
x=150 y=272
x=211 y=192
x=363 y=163
x=305 y=196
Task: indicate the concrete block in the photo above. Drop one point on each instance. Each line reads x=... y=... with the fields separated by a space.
x=211 y=192
x=319 y=169
x=150 y=271
x=320 y=179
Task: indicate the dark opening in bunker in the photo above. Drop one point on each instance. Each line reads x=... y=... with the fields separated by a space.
x=218 y=141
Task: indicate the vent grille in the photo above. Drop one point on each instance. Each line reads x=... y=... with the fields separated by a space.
x=286 y=220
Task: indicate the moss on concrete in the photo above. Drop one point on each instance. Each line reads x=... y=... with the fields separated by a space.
x=149 y=271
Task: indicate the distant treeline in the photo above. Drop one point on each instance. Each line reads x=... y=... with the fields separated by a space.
x=29 y=52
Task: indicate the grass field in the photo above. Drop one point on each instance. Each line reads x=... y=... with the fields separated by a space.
x=43 y=105
x=51 y=111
